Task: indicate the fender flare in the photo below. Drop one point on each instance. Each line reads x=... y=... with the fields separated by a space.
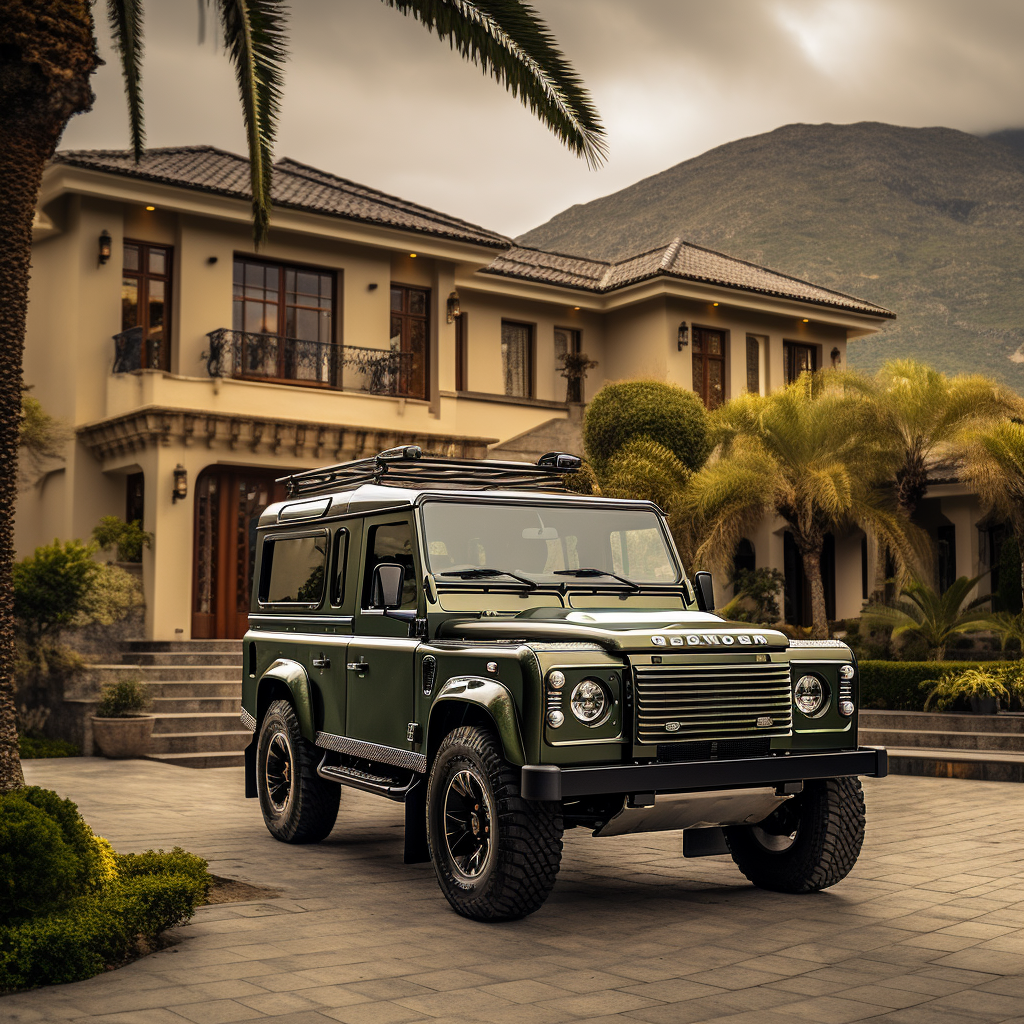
x=495 y=700
x=294 y=677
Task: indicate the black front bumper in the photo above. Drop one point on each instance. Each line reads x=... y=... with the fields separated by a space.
x=549 y=782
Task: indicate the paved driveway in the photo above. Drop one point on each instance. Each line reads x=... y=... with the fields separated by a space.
x=929 y=927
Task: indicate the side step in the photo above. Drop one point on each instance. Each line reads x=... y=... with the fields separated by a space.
x=379 y=784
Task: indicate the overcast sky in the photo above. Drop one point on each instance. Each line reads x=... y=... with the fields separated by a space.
x=372 y=97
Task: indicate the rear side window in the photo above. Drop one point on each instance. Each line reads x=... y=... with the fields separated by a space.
x=294 y=570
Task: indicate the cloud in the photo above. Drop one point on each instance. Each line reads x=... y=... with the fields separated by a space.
x=370 y=96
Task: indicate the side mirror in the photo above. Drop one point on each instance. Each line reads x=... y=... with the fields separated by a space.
x=705 y=591
x=388 y=581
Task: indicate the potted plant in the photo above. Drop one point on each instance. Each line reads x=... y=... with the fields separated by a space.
x=982 y=689
x=119 y=726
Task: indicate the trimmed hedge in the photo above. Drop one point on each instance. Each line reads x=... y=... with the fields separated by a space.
x=896 y=685
x=32 y=747
x=69 y=905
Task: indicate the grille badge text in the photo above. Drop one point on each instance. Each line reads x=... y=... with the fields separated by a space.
x=711 y=640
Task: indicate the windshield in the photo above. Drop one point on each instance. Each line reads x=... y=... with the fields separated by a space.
x=538 y=541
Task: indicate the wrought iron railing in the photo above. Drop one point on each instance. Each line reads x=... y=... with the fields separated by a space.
x=270 y=356
x=132 y=352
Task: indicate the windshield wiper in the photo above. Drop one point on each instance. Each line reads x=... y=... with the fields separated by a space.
x=596 y=572
x=483 y=573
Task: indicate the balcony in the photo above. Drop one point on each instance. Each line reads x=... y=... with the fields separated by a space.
x=132 y=352
x=271 y=357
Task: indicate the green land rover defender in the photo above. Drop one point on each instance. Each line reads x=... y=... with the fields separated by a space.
x=510 y=660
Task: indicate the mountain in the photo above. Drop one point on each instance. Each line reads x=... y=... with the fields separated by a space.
x=928 y=222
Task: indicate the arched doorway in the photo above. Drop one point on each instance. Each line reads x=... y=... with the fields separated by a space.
x=228 y=503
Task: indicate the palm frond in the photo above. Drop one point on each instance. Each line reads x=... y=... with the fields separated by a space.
x=509 y=41
x=254 y=36
x=125 y=18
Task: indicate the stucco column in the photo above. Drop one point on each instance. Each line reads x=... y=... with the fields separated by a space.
x=442 y=353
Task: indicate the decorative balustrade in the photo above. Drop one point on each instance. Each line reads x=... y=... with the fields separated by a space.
x=245 y=355
x=131 y=352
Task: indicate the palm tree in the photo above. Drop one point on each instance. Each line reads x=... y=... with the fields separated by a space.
x=936 y=618
x=811 y=454
x=47 y=54
x=992 y=462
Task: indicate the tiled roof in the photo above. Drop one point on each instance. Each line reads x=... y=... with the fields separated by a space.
x=295 y=186
x=678 y=259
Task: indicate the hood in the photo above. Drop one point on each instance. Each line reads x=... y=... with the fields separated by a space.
x=621 y=630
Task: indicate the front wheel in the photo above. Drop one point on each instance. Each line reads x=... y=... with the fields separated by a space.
x=809 y=843
x=298 y=806
x=495 y=854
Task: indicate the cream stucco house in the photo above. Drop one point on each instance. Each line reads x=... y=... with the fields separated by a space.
x=195 y=370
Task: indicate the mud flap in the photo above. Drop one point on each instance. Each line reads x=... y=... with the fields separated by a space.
x=704 y=842
x=250 y=768
x=417 y=851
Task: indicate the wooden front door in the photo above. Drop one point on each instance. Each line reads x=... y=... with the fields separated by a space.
x=228 y=501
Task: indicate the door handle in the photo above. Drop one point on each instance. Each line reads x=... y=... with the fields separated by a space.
x=358 y=666
x=321 y=662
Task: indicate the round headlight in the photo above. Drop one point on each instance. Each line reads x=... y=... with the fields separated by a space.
x=809 y=694
x=589 y=702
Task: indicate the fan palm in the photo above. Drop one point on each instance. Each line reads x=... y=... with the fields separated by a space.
x=811 y=454
x=992 y=462
x=936 y=618
x=47 y=54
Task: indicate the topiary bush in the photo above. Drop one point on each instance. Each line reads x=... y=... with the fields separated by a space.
x=652 y=409
x=69 y=905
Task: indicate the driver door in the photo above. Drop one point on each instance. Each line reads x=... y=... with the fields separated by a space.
x=381 y=658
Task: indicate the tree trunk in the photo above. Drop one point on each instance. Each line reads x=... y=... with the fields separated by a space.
x=47 y=53
x=811 y=558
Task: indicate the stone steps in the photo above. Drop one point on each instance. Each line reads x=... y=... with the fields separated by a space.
x=196 y=690
x=985 y=747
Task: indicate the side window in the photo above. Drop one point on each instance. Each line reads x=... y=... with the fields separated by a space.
x=391 y=542
x=294 y=570
x=338 y=570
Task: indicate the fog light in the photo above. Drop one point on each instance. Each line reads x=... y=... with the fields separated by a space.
x=808 y=694
x=846 y=707
x=556 y=680
x=589 y=702
x=555 y=719
x=845 y=671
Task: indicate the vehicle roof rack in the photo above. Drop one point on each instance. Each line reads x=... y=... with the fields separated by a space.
x=407 y=466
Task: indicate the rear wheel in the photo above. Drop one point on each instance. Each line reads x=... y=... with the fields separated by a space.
x=298 y=806
x=495 y=854
x=809 y=843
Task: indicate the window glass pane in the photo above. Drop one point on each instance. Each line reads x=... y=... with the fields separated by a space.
x=515 y=358
x=254 y=278
x=397 y=296
x=753 y=365
x=307 y=284
x=237 y=309
x=158 y=261
x=561 y=343
x=698 y=373
x=338 y=578
x=716 y=388
x=129 y=303
x=156 y=306
x=238 y=273
x=417 y=302
x=392 y=543
x=714 y=344
x=131 y=256
x=326 y=330
x=305 y=324
x=296 y=570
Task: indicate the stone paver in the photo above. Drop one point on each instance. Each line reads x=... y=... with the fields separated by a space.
x=928 y=928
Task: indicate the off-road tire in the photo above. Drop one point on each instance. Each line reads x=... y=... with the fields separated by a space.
x=524 y=848
x=829 y=818
x=304 y=807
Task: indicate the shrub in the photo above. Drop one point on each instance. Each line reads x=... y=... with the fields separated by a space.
x=954 y=689
x=122 y=699
x=896 y=685
x=31 y=748
x=759 y=587
x=128 y=538
x=177 y=862
x=650 y=409
x=76 y=832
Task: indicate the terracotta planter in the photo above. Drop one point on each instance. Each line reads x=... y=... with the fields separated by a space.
x=122 y=737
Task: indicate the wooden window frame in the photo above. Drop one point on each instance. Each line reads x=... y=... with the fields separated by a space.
x=407 y=318
x=789 y=364
x=142 y=278
x=704 y=390
x=531 y=357
x=282 y=318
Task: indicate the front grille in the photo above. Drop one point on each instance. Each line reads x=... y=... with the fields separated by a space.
x=709 y=702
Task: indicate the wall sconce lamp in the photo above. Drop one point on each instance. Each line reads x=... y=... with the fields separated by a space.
x=180 y=490
x=105 y=242
x=836 y=356
x=684 y=337
x=454 y=309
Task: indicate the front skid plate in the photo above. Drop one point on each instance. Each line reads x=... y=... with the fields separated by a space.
x=548 y=782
